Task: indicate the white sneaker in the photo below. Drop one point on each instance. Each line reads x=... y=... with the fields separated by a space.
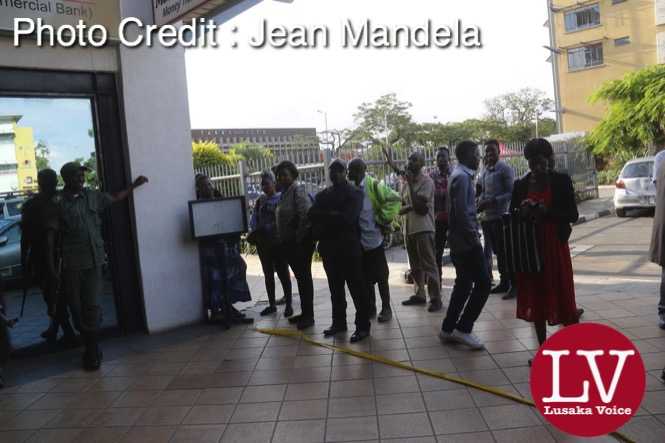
x=469 y=340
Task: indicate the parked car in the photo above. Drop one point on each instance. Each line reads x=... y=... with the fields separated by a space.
x=11 y=207
x=10 y=249
x=634 y=187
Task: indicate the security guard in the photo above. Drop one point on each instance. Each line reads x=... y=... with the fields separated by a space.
x=80 y=214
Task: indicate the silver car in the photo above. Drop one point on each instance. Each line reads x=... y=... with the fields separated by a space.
x=10 y=249
x=634 y=187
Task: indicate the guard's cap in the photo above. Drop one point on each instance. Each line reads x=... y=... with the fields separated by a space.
x=71 y=168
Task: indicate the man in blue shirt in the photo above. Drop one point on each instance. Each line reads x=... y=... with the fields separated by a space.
x=496 y=186
x=472 y=282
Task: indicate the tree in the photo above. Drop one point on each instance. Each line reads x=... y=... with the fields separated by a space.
x=250 y=151
x=520 y=108
x=387 y=117
x=635 y=120
x=208 y=153
x=42 y=153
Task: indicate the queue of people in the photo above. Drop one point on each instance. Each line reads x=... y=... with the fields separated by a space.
x=346 y=223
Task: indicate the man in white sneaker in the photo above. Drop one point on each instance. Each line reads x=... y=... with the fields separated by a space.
x=472 y=282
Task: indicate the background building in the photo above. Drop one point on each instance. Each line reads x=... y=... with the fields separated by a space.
x=596 y=41
x=18 y=165
x=275 y=139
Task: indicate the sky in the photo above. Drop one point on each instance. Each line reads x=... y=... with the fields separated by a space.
x=247 y=87
x=61 y=123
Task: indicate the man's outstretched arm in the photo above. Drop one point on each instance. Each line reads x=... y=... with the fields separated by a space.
x=122 y=195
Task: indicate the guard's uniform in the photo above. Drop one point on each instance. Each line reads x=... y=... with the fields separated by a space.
x=83 y=254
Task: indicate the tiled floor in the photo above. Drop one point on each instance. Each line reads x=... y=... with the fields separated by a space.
x=202 y=384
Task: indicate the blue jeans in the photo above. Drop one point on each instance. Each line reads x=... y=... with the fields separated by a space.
x=472 y=287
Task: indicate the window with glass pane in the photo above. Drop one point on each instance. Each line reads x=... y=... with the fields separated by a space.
x=585 y=57
x=582 y=18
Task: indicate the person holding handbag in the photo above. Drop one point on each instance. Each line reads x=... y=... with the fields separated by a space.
x=547 y=199
x=264 y=236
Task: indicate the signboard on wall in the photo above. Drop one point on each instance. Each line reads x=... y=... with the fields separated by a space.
x=171 y=11
x=62 y=12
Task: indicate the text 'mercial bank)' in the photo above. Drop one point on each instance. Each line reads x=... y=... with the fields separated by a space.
x=201 y=32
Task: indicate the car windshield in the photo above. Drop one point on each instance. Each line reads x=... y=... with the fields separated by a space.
x=638 y=170
x=4 y=223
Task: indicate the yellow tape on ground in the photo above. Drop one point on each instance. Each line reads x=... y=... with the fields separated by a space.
x=436 y=374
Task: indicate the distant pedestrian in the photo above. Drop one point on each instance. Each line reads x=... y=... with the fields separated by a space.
x=440 y=178
x=41 y=256
x=418 y=209
x=380 y=207
x=223 y=268
x=496 y=185
x=335 y=218
x=472 y=282
x=547 y=198
x=80 y=220
x=657 y=249
x=264 y=232
x=295 y=237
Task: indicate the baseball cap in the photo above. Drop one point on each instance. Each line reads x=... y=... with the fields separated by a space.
x=68 y=169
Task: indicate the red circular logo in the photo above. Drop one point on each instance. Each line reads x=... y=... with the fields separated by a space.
x=588 y=380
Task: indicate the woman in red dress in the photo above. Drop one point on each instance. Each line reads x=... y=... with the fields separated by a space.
x=548 y=197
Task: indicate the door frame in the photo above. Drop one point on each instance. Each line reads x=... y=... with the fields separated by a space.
x=112 y=164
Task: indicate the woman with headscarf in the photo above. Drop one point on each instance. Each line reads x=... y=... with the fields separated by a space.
x=224 y=270
x=264 y=234
x=547 y=197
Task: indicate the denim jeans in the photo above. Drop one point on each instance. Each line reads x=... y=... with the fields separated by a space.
x=472 y=287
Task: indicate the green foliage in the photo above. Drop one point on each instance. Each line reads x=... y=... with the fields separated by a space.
x=207 y=153
x=636 y=114
x=510 y=117
x=251 y=151
x=42 y=153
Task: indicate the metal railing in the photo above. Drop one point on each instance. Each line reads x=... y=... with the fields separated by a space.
x=244 y=178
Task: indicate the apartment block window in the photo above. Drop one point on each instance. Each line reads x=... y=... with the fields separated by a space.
x=585 y=57
x=583 y=18
x=623 y=41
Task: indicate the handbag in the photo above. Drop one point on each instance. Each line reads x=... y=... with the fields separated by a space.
x=523 y=253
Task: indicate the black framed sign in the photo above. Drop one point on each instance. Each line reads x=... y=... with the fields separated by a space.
x=218 y=217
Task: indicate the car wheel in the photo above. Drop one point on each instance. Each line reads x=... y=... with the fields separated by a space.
x=621 y=212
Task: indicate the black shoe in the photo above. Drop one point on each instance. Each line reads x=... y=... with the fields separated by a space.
x=385 y=315
x=512 y=293
x=269 y=310
x=2 y=382
x=92 y=358
x=334 y=330
x=414 y=300
x=288 y=311
x=372 y=311
x=305 y=323
x=501 y=288
x=295 y=319
x=359 y=336
x=435 y=306
x=662 y=376
x=580 y=313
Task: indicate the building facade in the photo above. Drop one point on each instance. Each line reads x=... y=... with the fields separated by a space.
x=18 y=165
x=138 y=98
x=277 y=140
x=596 y=41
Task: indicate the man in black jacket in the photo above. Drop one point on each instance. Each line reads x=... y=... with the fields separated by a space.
x=335 y=216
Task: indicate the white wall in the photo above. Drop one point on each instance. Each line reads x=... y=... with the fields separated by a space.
x=158 y=131
x=71 y=59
